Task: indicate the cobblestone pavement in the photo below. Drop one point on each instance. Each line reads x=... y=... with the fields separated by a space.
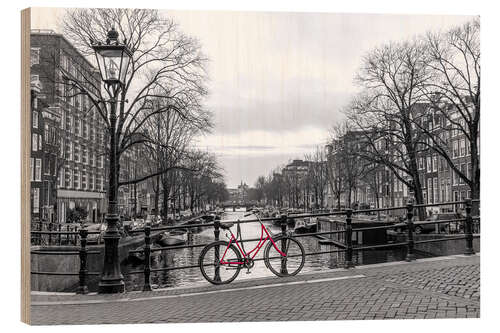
x=445 y=287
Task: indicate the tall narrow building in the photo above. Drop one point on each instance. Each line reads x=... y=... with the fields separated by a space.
x=80 y=166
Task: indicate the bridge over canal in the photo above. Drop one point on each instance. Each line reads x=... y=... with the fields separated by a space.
x=441 y=287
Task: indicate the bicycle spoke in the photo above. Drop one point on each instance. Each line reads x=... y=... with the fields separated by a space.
x=287 y=265
x=210 y=263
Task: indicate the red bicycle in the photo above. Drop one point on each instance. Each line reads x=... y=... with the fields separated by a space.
x=283 y=255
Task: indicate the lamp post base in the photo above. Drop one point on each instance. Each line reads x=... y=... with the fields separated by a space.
x=112 y=286
x=410 y=257
x=111 y=278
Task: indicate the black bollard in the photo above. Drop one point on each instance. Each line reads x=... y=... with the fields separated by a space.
x=348 y=239
x=82 y=287
x=147 y=259
x=59 y=236
x=410 y=256
x=217 y=249
x=469 y=247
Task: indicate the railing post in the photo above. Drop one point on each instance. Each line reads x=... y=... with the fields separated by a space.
x=50 y=235
x=284 y=221
x=147 y=259
x=469 y=247
x=410 y=256
x=82 y=287
x=348 y=239
x=217 y=248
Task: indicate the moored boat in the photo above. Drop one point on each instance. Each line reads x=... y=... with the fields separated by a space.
x=305 y=225
x=174 y=237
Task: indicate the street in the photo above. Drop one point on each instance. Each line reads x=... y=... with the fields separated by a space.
x=443 y=287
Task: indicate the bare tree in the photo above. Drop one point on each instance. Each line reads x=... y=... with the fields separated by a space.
x=454 y=97
x=346 y=165
x=317 y=175
x=165 y=64
x=393 y=77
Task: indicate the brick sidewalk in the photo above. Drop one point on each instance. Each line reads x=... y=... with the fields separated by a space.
x=446 y=287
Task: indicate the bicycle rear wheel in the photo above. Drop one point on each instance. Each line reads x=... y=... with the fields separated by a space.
x=285 y=266
x=211 y=268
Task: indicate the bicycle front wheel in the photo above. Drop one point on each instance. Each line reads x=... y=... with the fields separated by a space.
x=215 y=270
x=288 y=265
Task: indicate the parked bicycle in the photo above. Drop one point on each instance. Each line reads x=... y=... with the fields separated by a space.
x=221 y=261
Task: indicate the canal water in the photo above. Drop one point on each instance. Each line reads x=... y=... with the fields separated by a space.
x=192 y=276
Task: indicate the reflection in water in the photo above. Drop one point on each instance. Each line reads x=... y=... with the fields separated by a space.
x=189 y=257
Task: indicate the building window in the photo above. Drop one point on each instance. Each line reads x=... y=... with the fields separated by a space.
x=463 y=169
x=69 y=150
x=77 y=152
x=34 y=56
x=443 y=190
x=462 y=147
x=35 y=119
x=434 y=163
x=84 y=181
x=436 y=190
x=76 y=180
x=47 y=165
x=61 y=177
x=77 y=127
x=34 y=142
x=38 y=169
x=40 y=141
x=429 y=164
x=31 y=169
x=46 y=133
x=67 y=178
x=36 y=200
x=420 y=163
x=429 y=189
x=63 y=119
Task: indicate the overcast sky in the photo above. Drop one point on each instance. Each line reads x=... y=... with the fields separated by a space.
x=278 y=80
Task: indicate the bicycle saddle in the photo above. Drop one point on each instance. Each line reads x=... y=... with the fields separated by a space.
x=226 y=225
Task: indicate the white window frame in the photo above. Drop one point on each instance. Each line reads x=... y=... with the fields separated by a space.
x=35 y=119
x=36 y=200
x=435 y=189
x=38 y=169
x=61 y=177
x=429 y=189
x=32 y=169
x=34 y=142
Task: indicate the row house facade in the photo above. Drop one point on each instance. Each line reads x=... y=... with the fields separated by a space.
x=44 y=122
x=81 y=149
x=439 y=182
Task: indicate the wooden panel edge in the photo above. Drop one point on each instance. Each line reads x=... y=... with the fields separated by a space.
x=25 y=180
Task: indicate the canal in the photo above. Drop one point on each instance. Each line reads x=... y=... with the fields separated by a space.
x=192 y=276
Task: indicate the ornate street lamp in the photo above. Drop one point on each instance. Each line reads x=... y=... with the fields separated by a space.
x=113 y=59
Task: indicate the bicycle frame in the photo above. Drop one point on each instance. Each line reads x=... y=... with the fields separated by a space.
x=255 y=250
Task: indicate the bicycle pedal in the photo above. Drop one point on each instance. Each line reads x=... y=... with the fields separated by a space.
x=248 y=272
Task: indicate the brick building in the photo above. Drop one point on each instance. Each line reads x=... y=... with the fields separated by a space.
x=81 y=170
x=439 y=182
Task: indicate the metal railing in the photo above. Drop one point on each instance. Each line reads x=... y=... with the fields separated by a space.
x=348 y=247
